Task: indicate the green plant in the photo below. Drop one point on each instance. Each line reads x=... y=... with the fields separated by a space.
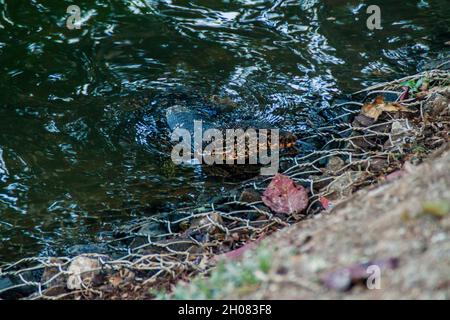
x=227 y=277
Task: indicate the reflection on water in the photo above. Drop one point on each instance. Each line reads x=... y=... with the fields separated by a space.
x=81 y=128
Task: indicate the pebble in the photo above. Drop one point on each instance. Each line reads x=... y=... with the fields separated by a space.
x=83 y=270
x=250 y=196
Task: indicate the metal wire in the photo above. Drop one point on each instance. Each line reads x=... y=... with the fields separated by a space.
x=189 y=238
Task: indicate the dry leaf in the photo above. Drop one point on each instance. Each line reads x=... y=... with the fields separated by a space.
x=115 y=281
x=283 y=195
x=326 y=203
x=405 y=93
x=378 y=106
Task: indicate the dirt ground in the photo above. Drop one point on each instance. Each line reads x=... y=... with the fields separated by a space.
x=403 y=224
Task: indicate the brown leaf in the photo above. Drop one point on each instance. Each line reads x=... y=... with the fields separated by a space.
x=115 y=280
x=283 y=195
x=378 y=106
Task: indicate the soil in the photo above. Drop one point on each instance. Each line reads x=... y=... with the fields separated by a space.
x=406 y=220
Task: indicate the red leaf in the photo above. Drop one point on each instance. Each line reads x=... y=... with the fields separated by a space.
x=325 y=202
x=283 y=195
x=405 y=94
x=395 y=175
x=237 y=253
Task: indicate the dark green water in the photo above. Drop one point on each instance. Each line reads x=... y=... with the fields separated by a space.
x=73 y=152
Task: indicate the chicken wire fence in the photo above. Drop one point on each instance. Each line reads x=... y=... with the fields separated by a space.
x=179 y=244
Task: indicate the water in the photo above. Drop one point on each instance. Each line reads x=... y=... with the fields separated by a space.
x=74 y=151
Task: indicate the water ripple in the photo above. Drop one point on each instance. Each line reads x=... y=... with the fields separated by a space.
x=82 y=126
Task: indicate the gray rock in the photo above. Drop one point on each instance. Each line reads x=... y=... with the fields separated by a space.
x=250 y=196
x=16 y=293
x=5 y=283
x=79 y=249
x=84 y=271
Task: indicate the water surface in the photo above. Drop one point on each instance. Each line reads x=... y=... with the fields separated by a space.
x=81 y=129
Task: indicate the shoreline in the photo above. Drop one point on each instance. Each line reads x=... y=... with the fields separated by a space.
x=391 y=226
x=381 y=143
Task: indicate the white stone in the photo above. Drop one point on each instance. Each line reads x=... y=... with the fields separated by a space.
x=83 y=269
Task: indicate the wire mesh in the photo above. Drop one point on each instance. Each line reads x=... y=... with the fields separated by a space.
x=161 y=249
